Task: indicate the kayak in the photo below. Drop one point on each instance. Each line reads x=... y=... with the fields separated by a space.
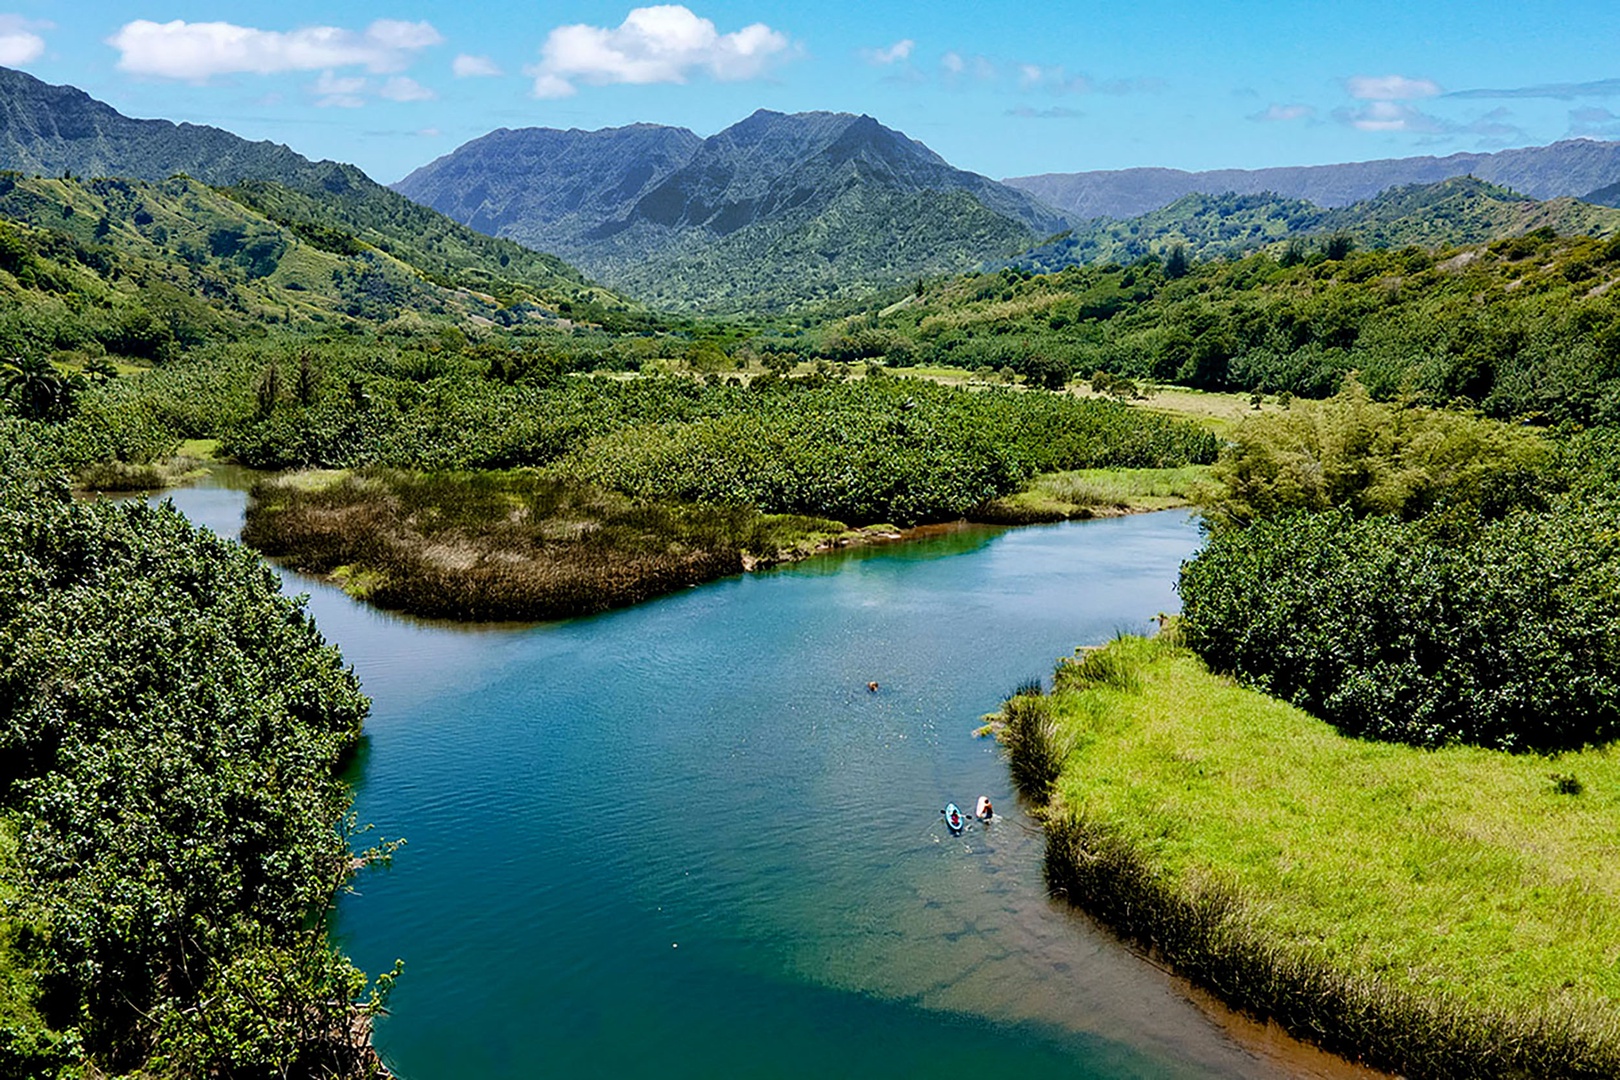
x=953 y=818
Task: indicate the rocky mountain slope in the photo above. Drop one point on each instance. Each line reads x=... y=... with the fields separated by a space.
x=771 y=212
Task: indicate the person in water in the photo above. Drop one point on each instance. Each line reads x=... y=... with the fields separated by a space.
x=983 y=810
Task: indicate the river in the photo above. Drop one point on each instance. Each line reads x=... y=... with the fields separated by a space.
x=685 y=840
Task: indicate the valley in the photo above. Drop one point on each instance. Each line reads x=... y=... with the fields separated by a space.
x=640 y=415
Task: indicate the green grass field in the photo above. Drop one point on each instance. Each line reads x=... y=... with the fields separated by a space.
x=1085 y=493
x=1468 y=884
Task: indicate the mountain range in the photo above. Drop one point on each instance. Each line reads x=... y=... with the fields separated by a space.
x=1574 y=167
x=770 y=214
x=774 y=210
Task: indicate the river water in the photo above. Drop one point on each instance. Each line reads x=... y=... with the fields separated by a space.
x=685 y=840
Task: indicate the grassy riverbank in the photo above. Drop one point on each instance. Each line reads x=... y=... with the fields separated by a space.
x=1443 y=913
x=512 y=545
x=1079 y=494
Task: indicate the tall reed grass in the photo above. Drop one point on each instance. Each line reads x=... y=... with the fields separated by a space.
x=1036 y=747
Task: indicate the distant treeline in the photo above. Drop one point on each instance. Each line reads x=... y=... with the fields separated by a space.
x=873 y=450
x=1523 y=327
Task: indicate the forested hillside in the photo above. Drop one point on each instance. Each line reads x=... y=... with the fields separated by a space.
x=1523 y=327
x=1573 y=167
x=59 y=131
x=1452 y=212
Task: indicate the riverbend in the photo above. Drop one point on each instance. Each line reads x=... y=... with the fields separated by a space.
x=684 y=839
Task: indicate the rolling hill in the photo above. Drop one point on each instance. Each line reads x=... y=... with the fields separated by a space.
x=1462 y=210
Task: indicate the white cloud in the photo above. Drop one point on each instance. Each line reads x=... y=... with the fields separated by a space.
x=201 y=51
x=1392 y=116
x=1284 y=113
x=547 y=85
x=1056 y=112
x=662 y=44
x=405 y=88
x=403 y=36
x=475 y=67
x=335 y=92
x=894 y=54
x=956 y=66
x=1390 y=88
x=18 y=42
x=1052 y=79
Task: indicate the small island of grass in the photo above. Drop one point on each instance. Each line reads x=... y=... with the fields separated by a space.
x=513 y=545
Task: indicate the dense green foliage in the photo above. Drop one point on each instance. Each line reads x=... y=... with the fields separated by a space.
x=1372 y=458
x=859 y=242
x=1507 y=637
x=507 y=546
x=862 y=452
x=171 y=730
x=1414 y=575
x=1525 y=327
x=1446 y=913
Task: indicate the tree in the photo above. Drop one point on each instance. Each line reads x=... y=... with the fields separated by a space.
x=100 y=369
x=308 y=385
x=268 y=392
x=1337 y=246
x=40 y=391
x=1049 y=372
x=1177 y=263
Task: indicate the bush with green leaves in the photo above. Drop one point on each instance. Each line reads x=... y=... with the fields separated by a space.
x=861 y=452
x=1372 y=458
x=1504 y=634
x=171 y=734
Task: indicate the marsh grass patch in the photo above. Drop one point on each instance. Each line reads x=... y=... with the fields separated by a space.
x=506 y=546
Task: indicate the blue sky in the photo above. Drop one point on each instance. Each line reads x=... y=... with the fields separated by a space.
x=1002 y=89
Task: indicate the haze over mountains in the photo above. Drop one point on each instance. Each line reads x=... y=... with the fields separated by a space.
x=1573 y=167
x=774 y=209
x=1461 y=210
